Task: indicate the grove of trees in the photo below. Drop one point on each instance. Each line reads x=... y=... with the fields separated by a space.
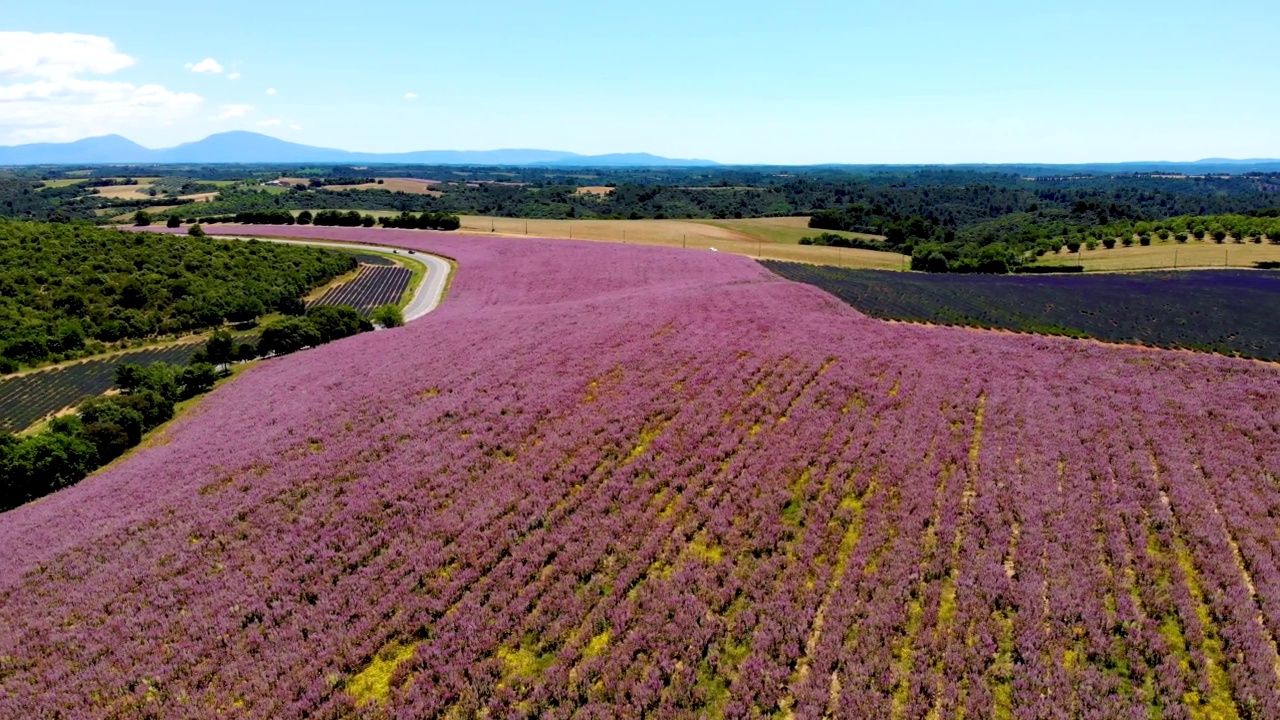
x=70 y=290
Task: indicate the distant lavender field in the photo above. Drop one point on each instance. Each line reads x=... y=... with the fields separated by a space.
x=1226 y=311
x=618 y=481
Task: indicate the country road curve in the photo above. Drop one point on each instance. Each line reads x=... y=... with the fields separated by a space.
x=425 y=299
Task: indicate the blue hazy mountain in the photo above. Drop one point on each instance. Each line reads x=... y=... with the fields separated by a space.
x=249 y=147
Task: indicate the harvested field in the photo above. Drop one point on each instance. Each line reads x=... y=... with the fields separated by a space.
x=126 y=192
x=593 y=190
x=1168 y=254
x=753 y=239
x=404 y=185
x=608 y=481
x=65 y=182
x=781 y=229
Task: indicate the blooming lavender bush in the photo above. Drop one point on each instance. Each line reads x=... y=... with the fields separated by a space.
x=612 y=481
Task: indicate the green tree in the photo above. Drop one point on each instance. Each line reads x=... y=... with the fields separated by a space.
x=197 y=379
x=219 y=349
x=173 y=221
x=334 y=322
x=288 y=335
x=39 y=464
x=196 y=231
x=245 y=352
x=106 y=410
x=142 y=218
x=388 y=316
x=160 y=378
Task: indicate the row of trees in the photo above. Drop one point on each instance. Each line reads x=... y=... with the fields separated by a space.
x=1011 y=242
x=336 y=218
x=829 y=239
x=425 y=221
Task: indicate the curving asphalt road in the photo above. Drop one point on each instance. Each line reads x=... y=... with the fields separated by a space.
x=430 y=291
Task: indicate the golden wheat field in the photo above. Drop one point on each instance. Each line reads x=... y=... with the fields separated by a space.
x=766 y=238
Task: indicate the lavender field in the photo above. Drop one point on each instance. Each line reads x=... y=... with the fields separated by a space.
x=619 y=481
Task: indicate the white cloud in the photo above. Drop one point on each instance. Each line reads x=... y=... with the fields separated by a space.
x=411 y=96
x=228 y=112
x=54 y=55
x=207 y=65
x=268 y=123
x=295 y=126
x=44 y=95
x=271 y=91
x=234 y=76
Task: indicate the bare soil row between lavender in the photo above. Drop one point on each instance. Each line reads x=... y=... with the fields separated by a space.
x=623 y=481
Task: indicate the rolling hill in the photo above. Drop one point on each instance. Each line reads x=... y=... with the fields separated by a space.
x=623 y=481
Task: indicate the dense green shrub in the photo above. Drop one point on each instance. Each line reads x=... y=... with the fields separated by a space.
x=388 y=316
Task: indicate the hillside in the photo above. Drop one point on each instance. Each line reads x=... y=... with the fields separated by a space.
x=621 y=481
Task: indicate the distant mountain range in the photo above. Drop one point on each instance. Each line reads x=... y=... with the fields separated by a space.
x=248 y=147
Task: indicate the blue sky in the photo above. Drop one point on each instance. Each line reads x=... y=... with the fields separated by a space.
x=740 y=82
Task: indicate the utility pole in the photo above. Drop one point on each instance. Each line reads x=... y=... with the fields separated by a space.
x=526 y=227
x=685 y=242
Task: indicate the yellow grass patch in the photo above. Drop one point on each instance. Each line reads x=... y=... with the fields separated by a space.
x=373 y=684
x=201 y=197
x=60 y=183
x=593 y=190
x=597 y=645
x=126 y=192
x=524 y=662
x=1167 y=254
x=707 y=552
